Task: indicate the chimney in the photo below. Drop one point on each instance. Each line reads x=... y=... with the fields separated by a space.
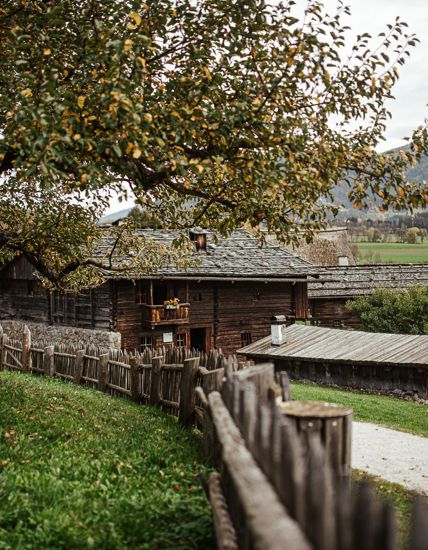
x=278 y=330
x=199 y=237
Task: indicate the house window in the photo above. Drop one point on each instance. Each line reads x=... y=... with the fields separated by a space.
x=140 y=293
x=181 y=340
x=197 y=297
x=337 y=323
x=246 y=339
x=146 y=342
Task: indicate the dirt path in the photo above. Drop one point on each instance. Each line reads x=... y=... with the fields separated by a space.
x=391 y=455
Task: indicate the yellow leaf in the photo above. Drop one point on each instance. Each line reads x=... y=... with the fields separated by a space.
x=81 y=101
x=137 y=153
x=27 y=92
x=142 y=62
x=147 y=117
x=127 y=45
x=136 y=18
x=400 y=191
x=76 y=137
x=47 y=52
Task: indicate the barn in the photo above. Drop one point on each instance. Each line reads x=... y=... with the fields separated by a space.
x=336 y=285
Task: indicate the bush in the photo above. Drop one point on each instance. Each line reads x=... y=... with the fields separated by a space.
x=403 y=312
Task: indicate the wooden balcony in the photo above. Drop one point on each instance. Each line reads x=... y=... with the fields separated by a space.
x=159 y=315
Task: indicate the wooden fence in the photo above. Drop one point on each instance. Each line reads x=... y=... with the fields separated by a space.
x=166 y=378
x=275 y=487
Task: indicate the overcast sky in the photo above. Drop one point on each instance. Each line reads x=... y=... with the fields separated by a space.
x=410 y=106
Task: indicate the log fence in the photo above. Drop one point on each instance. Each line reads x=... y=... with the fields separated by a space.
x=279 y=482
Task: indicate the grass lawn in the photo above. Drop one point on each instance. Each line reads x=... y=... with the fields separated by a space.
x=397 y=252
x=80 y=469
x=392 y=412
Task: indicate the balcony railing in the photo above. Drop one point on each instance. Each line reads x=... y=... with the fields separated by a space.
x=161 y=315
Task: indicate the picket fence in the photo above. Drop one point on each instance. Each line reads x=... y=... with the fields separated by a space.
x=273 y=489
x=166 y=377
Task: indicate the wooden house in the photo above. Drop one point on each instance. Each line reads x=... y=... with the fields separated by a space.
x=226 y=299
x=336 y=285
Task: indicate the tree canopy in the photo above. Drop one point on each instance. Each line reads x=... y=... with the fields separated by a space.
x=402 y=312
x=249 y=109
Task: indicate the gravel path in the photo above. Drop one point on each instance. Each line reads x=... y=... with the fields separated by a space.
x=391 y=455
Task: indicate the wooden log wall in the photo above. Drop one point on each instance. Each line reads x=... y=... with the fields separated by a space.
x=225 y=310
x=329 y=312
x=376 y=377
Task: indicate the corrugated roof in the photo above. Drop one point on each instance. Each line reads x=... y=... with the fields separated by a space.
x=335 y=345
x=361 y=280
x=239 y=255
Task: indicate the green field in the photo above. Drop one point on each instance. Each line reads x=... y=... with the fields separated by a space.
x=397 y=253
x=80 y=469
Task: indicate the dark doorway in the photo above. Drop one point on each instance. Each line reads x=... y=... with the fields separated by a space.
x=160 y=294
x=198 y=338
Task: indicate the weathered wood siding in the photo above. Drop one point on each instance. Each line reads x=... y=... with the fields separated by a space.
x=375 y=377
x=330 y=312
x=20 y=299
x=226 y=310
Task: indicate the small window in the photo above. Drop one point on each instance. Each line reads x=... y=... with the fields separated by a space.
x=197 y=297
x=140 y=293
x=181 y=340
x=246 y=339
x=337 y=323
x=343 y=260
x=146 y=342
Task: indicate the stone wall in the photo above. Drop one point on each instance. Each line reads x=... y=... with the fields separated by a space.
x=63 y=335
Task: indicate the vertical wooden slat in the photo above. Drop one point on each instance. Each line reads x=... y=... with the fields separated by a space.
x=26 y=345
x=135 y=378
x=103 y=372
x=78 y=369
x=49 y=361
x=156 y=380
x=187 y=392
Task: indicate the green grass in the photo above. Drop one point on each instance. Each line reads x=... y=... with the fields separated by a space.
x=392 y=412
x=396 y=252
x=80 y=469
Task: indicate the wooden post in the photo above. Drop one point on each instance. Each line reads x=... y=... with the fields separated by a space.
x=328 y=422
x=135 y=378
x=49 y=361
x=103 y=372
x=284 y=382
x=26 y=345
x=187 y=392
x=2 y=342
x=156 y=380
x=78 y=372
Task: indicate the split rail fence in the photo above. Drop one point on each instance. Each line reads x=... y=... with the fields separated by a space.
x=276 y=487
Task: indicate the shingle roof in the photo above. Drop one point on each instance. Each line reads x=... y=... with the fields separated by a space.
x=239 y=255
x=329 y=344
x=361 y=280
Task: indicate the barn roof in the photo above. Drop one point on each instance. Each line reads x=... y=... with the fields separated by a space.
x=238 y=256
x=348 y=282
x=334 y=345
